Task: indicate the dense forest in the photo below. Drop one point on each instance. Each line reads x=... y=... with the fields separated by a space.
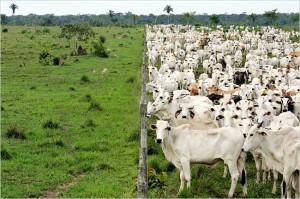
x=126 y=19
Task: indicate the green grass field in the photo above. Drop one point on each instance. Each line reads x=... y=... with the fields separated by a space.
x=98 y=120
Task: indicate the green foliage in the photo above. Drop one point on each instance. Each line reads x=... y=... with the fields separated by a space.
x=14 y=132
x=5 y=155
x=85 y=79
x=45 y=58
x=98 y=48
x=5 y=30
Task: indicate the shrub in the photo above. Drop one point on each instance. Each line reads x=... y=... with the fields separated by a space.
x=5 y=155
x=4 y=30
x=50 y=125
x=81 y=51
x=94 y=106
x=156 y=180
x=85 y=79
x=102 y=39
x=99 y=50
x=155 y=165
x=23 y=31
x=14 y=132
x=44 y=57
x=56 y=61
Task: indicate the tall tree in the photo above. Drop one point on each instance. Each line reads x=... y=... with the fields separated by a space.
x=112 y=14
x=168 y=9
x=189 y=16
x=76 y=33
x=253 y=18
x=271 y=16
x=214 y=19
x=13 y=7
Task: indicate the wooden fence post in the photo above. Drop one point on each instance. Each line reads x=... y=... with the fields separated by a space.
x=142 y=184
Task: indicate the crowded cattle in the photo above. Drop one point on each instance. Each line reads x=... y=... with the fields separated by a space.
x=246 y=100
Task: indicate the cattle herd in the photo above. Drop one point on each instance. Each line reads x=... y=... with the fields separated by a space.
x=246 y=100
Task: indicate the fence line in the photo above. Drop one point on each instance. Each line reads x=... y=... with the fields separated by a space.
x=142 y=184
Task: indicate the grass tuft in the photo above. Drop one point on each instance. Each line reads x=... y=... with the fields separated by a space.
x=50 y=125
x=14 y=132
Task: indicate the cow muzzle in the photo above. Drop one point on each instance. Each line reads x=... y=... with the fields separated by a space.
x=158 y=141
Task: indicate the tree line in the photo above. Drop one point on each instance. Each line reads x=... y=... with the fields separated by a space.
x=125 y=19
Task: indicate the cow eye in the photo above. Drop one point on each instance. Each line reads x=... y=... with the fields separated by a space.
x=163 y=102
x=238 y=108
x=240 y=125
x=223 y=109
x=250 y=108
x=251 y=134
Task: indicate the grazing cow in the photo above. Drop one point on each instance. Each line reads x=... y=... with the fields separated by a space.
x=183 y=146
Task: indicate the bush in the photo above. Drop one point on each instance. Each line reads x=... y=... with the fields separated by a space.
x=44 y=58
x=46 y=30
x=102 y=39
x=94 y=106
x=81 y=51
x=14 y=132
x=85 y=79
x=23 y=31
x=56 y=61
x=155 y=165
x=5 y=155
x=156 y=180
x=50 y=125
x=99 y=50
x=4 y=30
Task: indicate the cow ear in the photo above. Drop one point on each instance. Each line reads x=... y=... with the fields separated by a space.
x=153 y=126
x=263 y=133
x=235 y=117
x=192 y=114
x=260 y=125
x=177 y=113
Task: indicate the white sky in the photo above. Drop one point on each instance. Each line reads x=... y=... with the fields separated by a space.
x=59 y=7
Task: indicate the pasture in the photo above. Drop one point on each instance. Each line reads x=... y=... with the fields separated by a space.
x=78 y=122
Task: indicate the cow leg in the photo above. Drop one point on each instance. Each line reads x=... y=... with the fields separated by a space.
x=287 y=176
x=186 y=171
x=275 y=178
x=225 y=171
x=234 y=173
x=181 y=181
x=258 y=165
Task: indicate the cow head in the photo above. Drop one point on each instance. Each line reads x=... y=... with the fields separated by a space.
x=254 y=138
x=162 y=130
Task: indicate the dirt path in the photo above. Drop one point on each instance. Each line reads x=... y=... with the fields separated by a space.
x=54 y=193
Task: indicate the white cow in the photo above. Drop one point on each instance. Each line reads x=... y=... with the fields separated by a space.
x=183 y=146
